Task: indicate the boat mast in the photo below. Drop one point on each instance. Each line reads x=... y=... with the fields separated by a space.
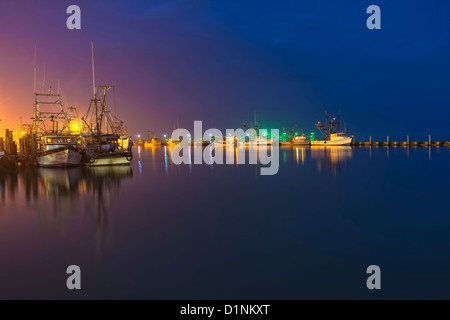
x=339 y=120
x=97 y=123
x=93 y=70
x=34 y=92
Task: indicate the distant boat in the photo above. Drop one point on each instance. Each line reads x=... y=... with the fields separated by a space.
x=260 y=141
x=333 y=135
x=256 y=138
x=154 y=142
x=169 y=142
x=301 y=140
x=293 y=138
x=228 y=140
x=335 y=139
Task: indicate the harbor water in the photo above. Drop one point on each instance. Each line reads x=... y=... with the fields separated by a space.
x=156 y=230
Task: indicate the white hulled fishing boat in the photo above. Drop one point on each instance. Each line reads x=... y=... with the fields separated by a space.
x=255 y=137
x=332 y=134
x=56 y=132
x=58 y=150
x=300 y=140
x=294 y=138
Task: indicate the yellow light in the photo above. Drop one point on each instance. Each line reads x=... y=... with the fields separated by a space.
x=74 y=126
x=23 y=133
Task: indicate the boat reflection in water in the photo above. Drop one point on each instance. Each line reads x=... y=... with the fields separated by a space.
x=57 y=195
x=332 y=157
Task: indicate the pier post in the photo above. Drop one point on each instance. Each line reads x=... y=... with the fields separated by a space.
x=429 y=140
x=407 y=141
x=370 y=140
x=7 y=141
x=387 y=140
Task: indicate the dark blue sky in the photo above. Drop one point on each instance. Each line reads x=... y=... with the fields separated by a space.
x=219 y=61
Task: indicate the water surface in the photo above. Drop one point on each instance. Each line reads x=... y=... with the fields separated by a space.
x=156 y=230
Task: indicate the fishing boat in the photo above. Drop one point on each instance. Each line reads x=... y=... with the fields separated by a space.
x=332 y=134
x=106 y=150
x=256 y=138
x=58 y=150
x=56 y=132
x=170 y=143
x=301 y=140
x=104 y=137
x=228 y=140
x=154 y=142
x=294 y=138
x=260 y=141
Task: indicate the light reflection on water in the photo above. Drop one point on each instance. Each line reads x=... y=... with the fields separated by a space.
x=59 y=184
x=156 y=227
x=54 y=194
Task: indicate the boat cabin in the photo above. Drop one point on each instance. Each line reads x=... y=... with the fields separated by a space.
x=49 y=142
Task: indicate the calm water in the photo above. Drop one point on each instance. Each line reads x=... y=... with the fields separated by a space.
x=161 y=231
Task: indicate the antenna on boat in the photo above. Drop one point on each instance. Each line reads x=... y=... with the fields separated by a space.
x=93 y=70
x=43 y=80
x=58 y=87
x=34 y=89
x=339 y=120
x=34 y=94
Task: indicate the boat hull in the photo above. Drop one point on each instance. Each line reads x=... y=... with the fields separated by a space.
x=60 y=159
x=335 y=142
x=110 y=159
x=301 y=143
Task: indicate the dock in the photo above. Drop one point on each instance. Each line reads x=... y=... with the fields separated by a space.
x=405 y=143
x=12 y=158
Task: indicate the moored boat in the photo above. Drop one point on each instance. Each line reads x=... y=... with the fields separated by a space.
x=58 y=150
x=333 y=136
x=56 y=133
x=107 y=150
x=104 y=137
x=300 y=140
x=334 y=139
x=109 y=159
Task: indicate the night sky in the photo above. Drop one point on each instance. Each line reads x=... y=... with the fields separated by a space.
x=219 y=61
